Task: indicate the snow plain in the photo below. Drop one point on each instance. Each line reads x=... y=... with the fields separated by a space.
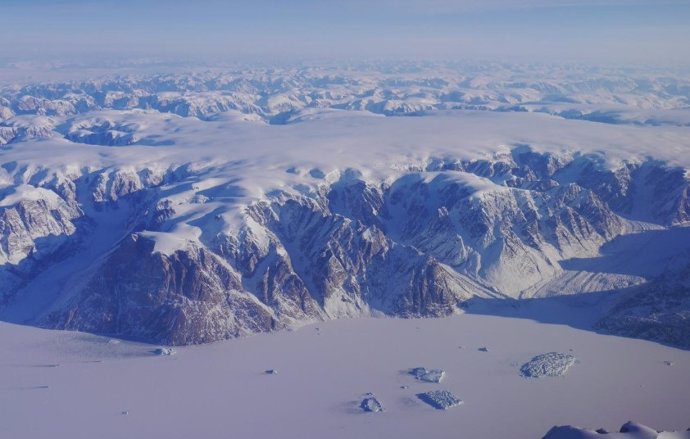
x=65 y=384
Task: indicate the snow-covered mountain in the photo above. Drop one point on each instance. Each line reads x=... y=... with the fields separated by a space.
x=281 y=95
x=209 y=222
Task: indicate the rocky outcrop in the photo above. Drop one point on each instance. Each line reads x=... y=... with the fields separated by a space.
x=34 y=221
x=659 y=311
x=185 y=298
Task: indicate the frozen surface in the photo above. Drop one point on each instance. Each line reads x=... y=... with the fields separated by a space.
x=551 y=364
x=219 y=388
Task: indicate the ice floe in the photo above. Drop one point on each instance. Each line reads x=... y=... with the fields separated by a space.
x=440 y=399
x=550 y=364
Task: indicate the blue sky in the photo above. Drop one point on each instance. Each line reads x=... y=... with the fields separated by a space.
x=638 y=31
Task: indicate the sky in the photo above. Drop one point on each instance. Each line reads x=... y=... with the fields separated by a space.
x=653 y=32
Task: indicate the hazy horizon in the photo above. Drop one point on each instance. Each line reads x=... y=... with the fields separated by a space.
x=609 y=31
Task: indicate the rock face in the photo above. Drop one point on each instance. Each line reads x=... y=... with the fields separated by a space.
x=39 y=221
x=35 y=224
x=138 y=262
x=659 y=310
x=184 y=298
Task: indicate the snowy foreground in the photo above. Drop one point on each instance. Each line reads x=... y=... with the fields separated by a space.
x=64 y=384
